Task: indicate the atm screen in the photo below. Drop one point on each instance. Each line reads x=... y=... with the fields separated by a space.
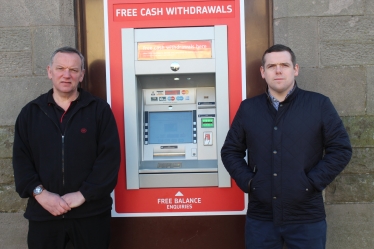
x=170 y=127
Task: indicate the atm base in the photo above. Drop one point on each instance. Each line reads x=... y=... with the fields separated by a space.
x=172 y=180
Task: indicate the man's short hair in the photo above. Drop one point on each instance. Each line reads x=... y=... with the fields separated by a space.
x=279 y=48
x=67 y=50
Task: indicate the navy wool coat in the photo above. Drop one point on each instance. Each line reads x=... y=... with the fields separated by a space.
x=293 y=154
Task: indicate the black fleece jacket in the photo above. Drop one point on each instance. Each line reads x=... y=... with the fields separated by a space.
x=293 y=154
x=85 y=158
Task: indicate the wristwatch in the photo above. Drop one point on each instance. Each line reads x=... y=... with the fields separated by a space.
x=38 y=190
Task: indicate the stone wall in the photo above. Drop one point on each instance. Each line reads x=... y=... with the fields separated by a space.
x=334 y=44
x=29 y=32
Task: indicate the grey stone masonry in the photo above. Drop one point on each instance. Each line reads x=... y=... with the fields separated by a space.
x=15 y=63
x=369 y=7
x=25 y=89
x=344 y=28
x=6 y=141
x=361 y=162
x=13 y=231
x=23 y=13
x=346 y=41
x=6 y=171
x=9 y=199
x=360 y=130
x=370 y=90
x=292 y=8
x=347 y=53
x=345 y=86
x=15 y=39
x=351 y=188
x=350 y=226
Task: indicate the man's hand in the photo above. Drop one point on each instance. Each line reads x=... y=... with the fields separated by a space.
x=52 y=202
x=74 y=199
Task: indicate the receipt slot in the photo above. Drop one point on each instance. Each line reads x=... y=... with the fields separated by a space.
x=176 y=111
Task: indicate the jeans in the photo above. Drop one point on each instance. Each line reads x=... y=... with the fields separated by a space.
x=264 y=235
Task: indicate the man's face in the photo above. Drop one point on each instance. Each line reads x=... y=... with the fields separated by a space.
x=65 y=73
x=279 y=73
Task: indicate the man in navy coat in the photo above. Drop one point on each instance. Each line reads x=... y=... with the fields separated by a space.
x=296 y=145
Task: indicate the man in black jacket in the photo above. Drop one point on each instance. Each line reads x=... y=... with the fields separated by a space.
x=296 y=145
x=66 y=158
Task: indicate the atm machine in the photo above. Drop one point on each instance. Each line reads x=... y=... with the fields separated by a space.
x=176 y=106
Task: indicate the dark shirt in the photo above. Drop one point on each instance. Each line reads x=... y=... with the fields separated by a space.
x=276 y=102
x=62 y=116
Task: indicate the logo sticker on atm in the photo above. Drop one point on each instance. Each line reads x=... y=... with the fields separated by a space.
x=171 y=98
x=154 y=98
x=162 y=98
x=180 y=98
x=184 y=92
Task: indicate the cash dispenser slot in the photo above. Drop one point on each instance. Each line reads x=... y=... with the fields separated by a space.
x=169 y=151
x=169 y=154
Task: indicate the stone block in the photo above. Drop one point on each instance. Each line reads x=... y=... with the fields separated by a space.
x=46 y=41
x=25 y=88
x=369 y=7
x=14 y=229
x=301 y=35
x=308 y=78
x=346 y=53
x=15 y=39
x=10 y=201
x=370 y=90
x=350 y=226
x=37 y=12
x=360 y=130
x=346 y=87
x=14 y=14
x=362 y=162
x=355 y=188
x=15 y=63
x=355 y=28
x=294 y=8
x=6 y=171
x=52 y=12
x=67 y=12
x=6 y=141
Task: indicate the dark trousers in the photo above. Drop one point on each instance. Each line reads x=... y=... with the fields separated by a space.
x=264 y=235
x=84 y=233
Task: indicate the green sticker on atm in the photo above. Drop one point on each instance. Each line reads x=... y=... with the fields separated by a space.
x=207 y=122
